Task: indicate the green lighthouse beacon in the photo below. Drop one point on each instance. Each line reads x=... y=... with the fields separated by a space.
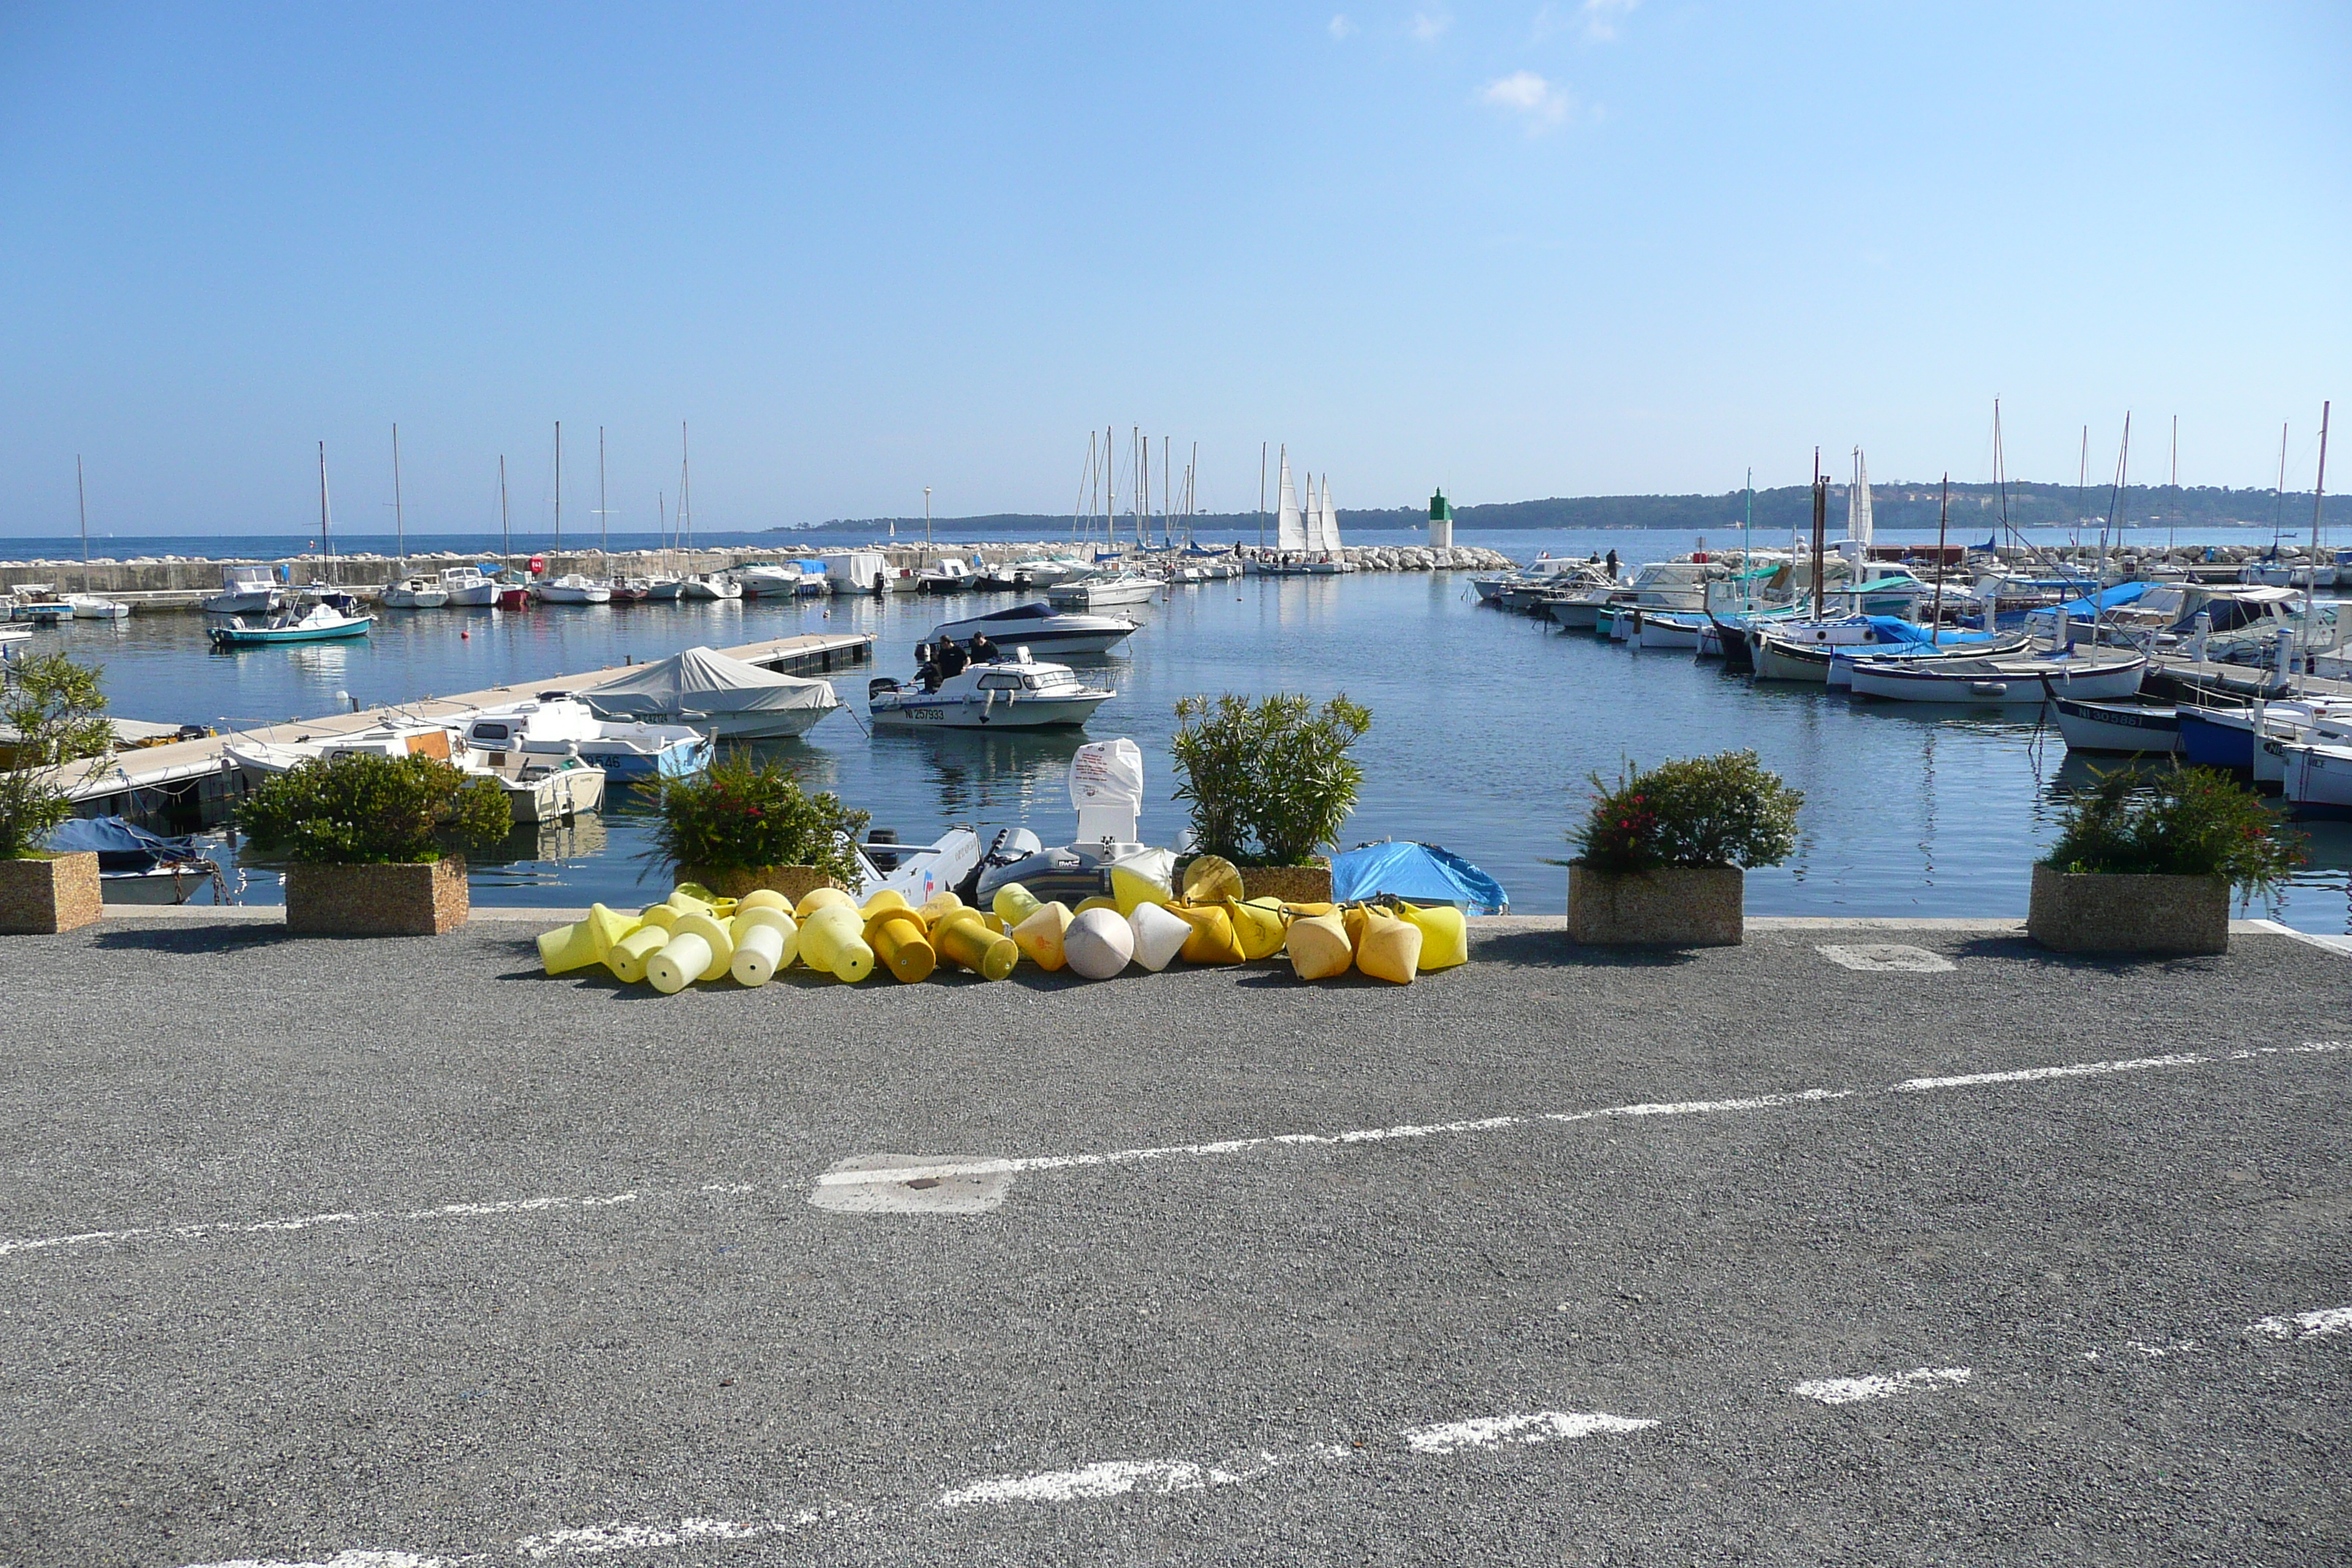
x=1440 y=521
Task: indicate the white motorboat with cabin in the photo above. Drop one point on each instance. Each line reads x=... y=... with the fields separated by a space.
x=767 y=578
x=539 y=788
x=709 y=586
x=469 y=587
x=1103 y=591
x=414 y=594
x=246 y=591
x=948 y=574
x=1042 y=629
x=573 y=588
x=724 y=697
x=1021 y=693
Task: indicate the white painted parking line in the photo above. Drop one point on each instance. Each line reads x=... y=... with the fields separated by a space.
x=1494 y=1431
x=1888 y=958
x=1881 y=1385
x=872 y=1169
x=311 y=1221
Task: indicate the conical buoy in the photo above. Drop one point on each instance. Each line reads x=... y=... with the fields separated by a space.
x=1388 y=948
x=1159 y=934
x=1014 y=903
x=1040 y=937
x=1445 y=934
x=1131 y=890
x=1211 y=939
x=1259 y=927
x=1318 y=948
x=1099 y=943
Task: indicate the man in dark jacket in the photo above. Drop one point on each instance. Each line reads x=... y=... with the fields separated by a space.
x=951 y=659
x=982 y=650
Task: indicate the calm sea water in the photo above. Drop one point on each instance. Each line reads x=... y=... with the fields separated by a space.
x=1487 y=727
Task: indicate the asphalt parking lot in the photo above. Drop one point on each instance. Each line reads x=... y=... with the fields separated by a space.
x=389 y=1254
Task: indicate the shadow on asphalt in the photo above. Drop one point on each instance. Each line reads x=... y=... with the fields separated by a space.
x=2025 y=950
x=223 y=938
x=1552 y=950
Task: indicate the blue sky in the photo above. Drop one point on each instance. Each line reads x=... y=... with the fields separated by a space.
x=1589 y=246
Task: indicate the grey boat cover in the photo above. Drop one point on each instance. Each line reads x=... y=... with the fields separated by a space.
x=700 y=684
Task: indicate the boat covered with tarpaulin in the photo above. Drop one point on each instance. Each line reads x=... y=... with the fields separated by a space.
x=1417 y=873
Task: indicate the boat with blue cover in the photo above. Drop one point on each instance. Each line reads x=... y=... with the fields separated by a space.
x=1417 y=873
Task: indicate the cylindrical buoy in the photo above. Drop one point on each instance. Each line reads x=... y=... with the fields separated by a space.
x=1099 y=943
x=660 y=915
x=630 y=955
x=1319 y=946
x=936 y=909
x=1014 y=903
x=681 y=960
x=817 y=899
x=1158 y=935
x=715 y=934
x=1040 y=937
x=967 y=940
x=763 y=899
x=901 y=943
x=833 y=940
x=766 y=939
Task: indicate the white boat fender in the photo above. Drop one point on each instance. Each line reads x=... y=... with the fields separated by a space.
x=1158 y=935
x=1989 y=688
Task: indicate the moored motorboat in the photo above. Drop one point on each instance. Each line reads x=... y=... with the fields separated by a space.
x=95 y=608
x=414 y=594
x=2317 y=779
x=136 y=866
x=246 y=591
x=469 y=587
x=766 y=579
x=1103 y=591
x=2135 y=729
x=723 y=698
x=323 y=622
x=557 y=724
x=709 y=586
x=1042 y=629
x=1011 y=694
x=573 y=588
x=2016 y=681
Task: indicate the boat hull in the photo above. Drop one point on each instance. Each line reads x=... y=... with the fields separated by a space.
x=1658 y=632
x=484 y=598
x=263 y=636
x=2028 y=687
x=2218 y=739
x=2317 y=780
x=2120 y=728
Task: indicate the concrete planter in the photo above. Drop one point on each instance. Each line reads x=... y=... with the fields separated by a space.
x=49 y=893
x=376 y=900
x=1674 y=906
x=793 y=882
x=2098 y=912
x=1291 y=884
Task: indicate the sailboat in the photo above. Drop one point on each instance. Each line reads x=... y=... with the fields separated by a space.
x=573 y=587
x=406 y=592
x=698 y=584
x=1857 y=503
x=1323 y=533
x=87 y=605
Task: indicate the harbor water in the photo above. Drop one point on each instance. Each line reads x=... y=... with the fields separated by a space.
x=1486 y=730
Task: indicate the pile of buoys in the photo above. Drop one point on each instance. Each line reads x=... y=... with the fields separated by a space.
x=693 y=936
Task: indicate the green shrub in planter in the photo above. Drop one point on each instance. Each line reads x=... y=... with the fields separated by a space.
x=744 y=814
x=1271 y=781
x=372 y=811
x=1719 y=811
x=2178 y=821
x=58 y=711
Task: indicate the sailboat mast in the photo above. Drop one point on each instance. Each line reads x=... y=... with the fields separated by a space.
x=684 y=532
x=399 y=518
x=505 y=526
x=2318 y=493
x=1820 y=531
x=558 y=489
x=2172 y=530
x=1748 y=548
x=603 y=528
x=1191 y=478
x=1943 y=519
x=1167 y=534
x=1140 y=446
x=1110 y=486
x=81 y=502
x=326 y=539
x=1261 y=495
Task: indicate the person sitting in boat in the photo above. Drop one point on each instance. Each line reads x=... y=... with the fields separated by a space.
x=926 y=668
x=982 y=650
x=950 y=658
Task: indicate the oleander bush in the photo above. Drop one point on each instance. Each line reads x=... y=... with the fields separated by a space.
x=1271 y=781
x=743 y=813
x=1724 y=810
x=372 y=810
x=2175 y=822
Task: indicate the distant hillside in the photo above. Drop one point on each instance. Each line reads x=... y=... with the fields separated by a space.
x=1893 y=506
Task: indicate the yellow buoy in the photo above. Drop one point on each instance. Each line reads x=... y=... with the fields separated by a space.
x=695 y=890
x=630 y=955
x=1212 y=940
x=712 y=930
x=1318 y=948
x=698 y=948
x=1130 y=890
x=1445 y=934
x=584 y=942
x=965 y=940
x=939 y=907
x=1388 y=948
x=766 y=939
x=900 y=940
x=1096 y=902
x=686 y=903
x=763 y=899
x=1039 y=937
x=1014 y=903
x=833 y=940
x=660 y=915
x=817 y=899
x=1210 y=879
x=885 y=898
x=1259 y=927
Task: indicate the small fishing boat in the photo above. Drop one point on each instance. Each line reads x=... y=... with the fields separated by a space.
x=1041 y=628
x=2317 y=779
x=2017 y=681
x=469 y=587
x=415 y=594
x=2133 y=729
x=723 y=698
x=661 y=588
x=94 y=608
x=136 y=866
x=539 y=788
x=557 y=724
x=2218 y=738
x=246 y=591
x=1011 y=694
x=321 y=622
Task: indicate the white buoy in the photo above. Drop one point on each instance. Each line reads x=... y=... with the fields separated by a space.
x=1158 y=935
x=1098 y=944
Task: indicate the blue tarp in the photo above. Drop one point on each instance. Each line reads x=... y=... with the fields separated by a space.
x=1417 y=873
x=2104 y=599
x=120 y=845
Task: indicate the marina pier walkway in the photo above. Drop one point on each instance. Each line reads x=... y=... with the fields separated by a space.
x=1863 y=1242
x=132 y=778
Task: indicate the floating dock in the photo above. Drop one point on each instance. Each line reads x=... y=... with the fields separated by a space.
x=189 y=775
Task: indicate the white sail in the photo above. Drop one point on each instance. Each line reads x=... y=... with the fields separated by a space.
x=1290 y=528
x=1330 y=515
x=1313 y=518
x=1857 y=502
